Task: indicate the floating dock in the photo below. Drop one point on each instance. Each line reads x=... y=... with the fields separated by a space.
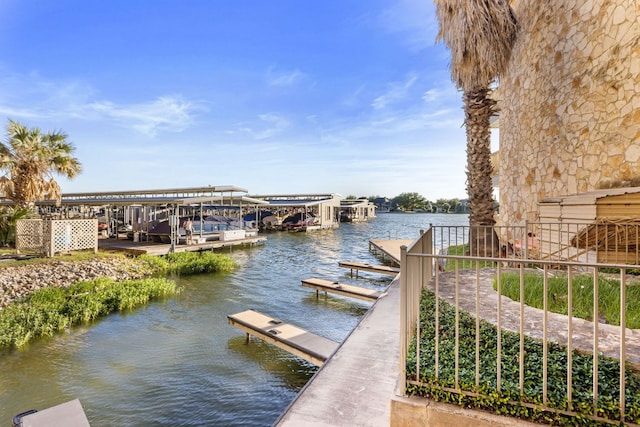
x=342 y=289
x=362 y=266
x=311 y=347
x=69 y=414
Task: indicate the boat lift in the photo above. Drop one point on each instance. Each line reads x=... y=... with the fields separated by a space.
x=311 y=347
x=342 y=289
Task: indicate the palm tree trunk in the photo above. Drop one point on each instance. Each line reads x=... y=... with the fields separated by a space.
x=479 y=108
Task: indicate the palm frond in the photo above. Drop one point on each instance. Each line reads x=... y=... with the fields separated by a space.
x=480 y=35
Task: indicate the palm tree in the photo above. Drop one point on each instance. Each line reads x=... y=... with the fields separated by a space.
x=29 y=159
x=480 y=35
x=9 y=216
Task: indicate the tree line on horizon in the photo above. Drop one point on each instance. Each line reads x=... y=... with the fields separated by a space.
x=415 y=202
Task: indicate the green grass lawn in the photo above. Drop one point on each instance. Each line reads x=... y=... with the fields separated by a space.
x=582 y=290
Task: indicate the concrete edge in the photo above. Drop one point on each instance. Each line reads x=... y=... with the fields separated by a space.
x=420 y=411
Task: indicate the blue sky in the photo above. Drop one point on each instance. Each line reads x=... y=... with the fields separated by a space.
x=281 y=96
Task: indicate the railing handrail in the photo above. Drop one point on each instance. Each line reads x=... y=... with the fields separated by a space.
x=419 y=266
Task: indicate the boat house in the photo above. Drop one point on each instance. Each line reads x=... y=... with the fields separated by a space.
x=303 y=212
x=148 y=215
x=357 y=210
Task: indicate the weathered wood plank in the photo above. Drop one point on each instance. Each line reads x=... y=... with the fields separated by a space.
x=342 y=289
x=297 y=341
x=383 y=269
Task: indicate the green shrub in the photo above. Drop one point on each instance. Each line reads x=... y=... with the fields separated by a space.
x=50 y=310
x=198 y=262
x=489 y=398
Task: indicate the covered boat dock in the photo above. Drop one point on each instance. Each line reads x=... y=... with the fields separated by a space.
x=155 y=216
x=304 y=212
x=357 y=210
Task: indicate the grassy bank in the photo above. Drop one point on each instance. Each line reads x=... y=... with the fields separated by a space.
x=498 y=401
x=50 y=310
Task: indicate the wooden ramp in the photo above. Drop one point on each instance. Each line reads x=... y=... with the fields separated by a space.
x=383 y=269
x=311 y=347
x=342 y=289
x=389 y=248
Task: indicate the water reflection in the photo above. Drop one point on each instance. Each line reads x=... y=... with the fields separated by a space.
x=178 y=362
x=349 y=306
x=294 y=372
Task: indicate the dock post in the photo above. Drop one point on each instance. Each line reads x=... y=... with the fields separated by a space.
x=246 y=340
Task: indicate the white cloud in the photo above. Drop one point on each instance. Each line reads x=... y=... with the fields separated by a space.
x=397 y=91
x=167 y=113
x=270 y=125
x=431 y=95
x=284 y=79
x=36 y=98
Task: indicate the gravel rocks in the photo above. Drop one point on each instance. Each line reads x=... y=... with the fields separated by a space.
x=19 y=281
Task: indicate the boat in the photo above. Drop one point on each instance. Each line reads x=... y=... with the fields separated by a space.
x=208 y=227
x=298 y=221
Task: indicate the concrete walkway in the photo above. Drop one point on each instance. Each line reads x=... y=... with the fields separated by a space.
x=354 y=388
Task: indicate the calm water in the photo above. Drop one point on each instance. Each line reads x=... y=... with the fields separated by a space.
x=179 y=363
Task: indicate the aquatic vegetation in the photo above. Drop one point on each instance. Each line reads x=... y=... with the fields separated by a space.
x=197 y=263
x=51 y=310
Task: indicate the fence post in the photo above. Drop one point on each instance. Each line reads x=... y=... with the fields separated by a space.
x=404 y=334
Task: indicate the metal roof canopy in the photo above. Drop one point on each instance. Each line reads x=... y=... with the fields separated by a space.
x=156 y=201
x=297 y=199
x=170 y=192
x=173 y=196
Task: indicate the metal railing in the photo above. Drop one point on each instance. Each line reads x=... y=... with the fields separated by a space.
x=472 y=341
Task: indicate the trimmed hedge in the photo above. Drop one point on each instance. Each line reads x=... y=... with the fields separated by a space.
x=489 y=397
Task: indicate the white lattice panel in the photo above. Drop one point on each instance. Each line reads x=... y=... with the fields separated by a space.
x=71 y=235
x=29 y=235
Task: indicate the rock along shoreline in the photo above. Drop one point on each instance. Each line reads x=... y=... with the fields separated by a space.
x=18 y=281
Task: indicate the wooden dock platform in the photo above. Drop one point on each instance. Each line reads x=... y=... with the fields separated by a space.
x=357 y=266
x=151 y=248
x=389 y=248
x=69 y=414
x=342 y=289
x=311 y=347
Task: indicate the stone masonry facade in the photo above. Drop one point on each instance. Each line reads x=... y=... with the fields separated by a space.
x=570 y=102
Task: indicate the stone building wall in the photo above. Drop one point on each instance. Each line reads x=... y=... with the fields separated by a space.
x=570 y=119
